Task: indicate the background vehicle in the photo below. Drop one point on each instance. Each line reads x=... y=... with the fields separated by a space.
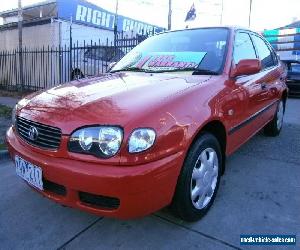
x=293 y=76
x=94 y=60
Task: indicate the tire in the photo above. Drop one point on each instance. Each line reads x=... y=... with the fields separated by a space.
x=195 y=172
x=77 y=74
x=273 y=128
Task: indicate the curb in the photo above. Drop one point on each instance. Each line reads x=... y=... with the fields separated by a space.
x=4 y=155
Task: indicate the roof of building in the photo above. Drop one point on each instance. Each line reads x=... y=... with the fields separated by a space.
x=292 y=25
x=12 y=12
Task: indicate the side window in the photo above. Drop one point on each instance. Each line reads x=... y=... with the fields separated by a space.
x=264 y=53
x=243 y=48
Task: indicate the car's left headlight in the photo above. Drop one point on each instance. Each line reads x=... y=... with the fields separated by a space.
x=103 y=141
x=141 y=139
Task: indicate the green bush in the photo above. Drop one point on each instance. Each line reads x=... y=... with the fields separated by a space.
x=5 y=111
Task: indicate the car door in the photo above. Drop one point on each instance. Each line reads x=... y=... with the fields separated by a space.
x=270 y=77
x=246 y=121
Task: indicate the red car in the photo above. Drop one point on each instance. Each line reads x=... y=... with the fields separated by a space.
x=157 y=129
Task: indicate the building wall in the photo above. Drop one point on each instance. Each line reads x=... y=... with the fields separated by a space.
x=10 y=19
x=53 y=34
x=83 y=33
x=33 y=37
x=285 y=41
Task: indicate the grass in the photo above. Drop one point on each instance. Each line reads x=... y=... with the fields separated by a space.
x=2 y=146
x=5 y=111
x=14 y=94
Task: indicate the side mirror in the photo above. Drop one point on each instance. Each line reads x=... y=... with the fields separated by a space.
x=247 y=67
x=111 y=65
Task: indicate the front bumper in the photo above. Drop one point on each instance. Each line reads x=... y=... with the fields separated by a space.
x=140 y=190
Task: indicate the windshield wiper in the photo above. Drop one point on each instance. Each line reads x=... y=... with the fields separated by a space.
x=196 y=71
x=135 y=69
x=205 y=72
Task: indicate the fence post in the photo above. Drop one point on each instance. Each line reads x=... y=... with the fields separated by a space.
x=71 y=41
x=21 y=69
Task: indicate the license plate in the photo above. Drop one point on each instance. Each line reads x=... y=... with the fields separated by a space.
x=29 y=172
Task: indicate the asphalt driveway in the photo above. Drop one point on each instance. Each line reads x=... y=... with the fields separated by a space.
x=259 y=194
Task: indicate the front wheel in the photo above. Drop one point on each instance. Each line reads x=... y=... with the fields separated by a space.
x=199 y=179
x=273 y=128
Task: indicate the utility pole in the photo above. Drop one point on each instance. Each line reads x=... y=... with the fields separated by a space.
x=116 y=25
x=250 y=10
x=170 y=15
x=221 y=21
x=20 y=29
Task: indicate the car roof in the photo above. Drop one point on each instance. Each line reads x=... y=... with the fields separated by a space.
x=233 y=28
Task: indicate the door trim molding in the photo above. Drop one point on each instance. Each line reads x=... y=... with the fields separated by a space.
x=251 y=118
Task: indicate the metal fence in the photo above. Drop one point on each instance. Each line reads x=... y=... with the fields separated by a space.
x=48 y=67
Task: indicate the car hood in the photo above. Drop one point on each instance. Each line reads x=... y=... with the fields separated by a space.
x=112 y=99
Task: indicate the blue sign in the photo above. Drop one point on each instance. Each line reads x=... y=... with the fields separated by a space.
x=86 y=13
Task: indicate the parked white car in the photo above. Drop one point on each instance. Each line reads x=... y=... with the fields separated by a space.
x=93 y=60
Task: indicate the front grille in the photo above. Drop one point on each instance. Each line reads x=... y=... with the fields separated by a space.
x=47 y=137
x=54 y=187
x=99 y=200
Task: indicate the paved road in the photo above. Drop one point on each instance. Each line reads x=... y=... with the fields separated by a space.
x=8 y=101
x=259 y=193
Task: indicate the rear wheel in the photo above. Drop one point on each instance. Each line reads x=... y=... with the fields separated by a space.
x=273 y=128
x=199 y=179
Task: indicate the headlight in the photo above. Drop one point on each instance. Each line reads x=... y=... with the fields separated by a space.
x=99 y=141
x=141 y=139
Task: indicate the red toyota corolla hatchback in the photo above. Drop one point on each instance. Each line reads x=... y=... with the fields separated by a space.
x=154 y=131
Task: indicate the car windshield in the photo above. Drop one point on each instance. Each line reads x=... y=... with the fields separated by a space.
x=197 y=50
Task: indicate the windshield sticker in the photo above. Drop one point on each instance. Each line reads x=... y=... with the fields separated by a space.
x=130 y=60
x=170 y=60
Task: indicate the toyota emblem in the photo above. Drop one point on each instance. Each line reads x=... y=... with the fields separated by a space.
x=33 y=133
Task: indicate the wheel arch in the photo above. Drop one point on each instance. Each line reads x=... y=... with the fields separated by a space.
x=216 y=128
x=284 y=97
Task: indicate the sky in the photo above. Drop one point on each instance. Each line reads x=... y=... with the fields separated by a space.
x=266 y=14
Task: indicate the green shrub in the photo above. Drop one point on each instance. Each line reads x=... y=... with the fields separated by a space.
x=5 y=111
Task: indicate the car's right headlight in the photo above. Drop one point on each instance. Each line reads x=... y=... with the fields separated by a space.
x=102 y=141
